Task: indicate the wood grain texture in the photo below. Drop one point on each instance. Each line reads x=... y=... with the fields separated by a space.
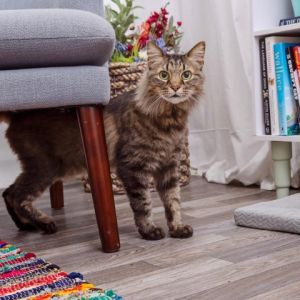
x=289 y=291
x=57 y=195
x=221 y=261
x=91 y=123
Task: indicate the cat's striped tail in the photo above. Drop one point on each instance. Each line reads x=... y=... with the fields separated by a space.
x=4 y=117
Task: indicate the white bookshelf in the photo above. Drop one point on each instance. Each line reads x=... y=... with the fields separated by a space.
x=265 y=18
x=277 y=138
x=266 y=15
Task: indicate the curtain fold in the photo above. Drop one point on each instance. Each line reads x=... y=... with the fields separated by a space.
x=222 y=142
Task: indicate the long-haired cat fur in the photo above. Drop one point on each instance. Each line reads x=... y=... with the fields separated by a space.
x=144 y=133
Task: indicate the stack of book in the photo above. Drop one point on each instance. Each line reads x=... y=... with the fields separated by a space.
x=280 y=75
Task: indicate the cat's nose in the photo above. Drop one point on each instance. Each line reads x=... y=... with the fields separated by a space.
x=175 y=88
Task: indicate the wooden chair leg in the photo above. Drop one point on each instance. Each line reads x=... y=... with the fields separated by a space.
x=93 y=136
x=57 y=195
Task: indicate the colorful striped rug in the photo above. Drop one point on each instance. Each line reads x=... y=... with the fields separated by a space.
x=25 y=276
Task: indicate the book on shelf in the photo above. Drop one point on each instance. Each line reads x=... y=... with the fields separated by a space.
x=296 y=57
x=293 y=79
x=289 y=21
x=286 y=103
x=264 y=83
x=273 y=101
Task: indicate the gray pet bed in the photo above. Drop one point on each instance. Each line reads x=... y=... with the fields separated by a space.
x=279 y=215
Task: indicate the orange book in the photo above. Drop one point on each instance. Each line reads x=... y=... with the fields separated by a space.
x=296 y=63
x=296 y=52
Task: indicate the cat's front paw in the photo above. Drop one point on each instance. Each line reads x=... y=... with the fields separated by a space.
x=47 y=225
x=155 y=233
x=182 y=232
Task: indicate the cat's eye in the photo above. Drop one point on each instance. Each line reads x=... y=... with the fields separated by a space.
x=186 y=75
x=164 y=75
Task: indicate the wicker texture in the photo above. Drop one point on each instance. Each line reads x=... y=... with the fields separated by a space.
x=124 y=78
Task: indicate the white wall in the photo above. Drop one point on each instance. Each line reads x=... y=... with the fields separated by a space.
x=9 y=167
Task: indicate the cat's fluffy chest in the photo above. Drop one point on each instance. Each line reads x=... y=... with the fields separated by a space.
x=148 y=140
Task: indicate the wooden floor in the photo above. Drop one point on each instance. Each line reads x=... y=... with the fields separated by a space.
x=221 y=261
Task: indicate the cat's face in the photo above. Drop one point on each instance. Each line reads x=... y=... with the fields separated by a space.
x=176 y=78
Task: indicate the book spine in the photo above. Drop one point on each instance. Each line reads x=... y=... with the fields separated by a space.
x=264 y=83
x=280 y=89
x=274 y=118
x=296 y=52
x=297 y=82
x=286 y=104
x=289 y=21
x=292 y=68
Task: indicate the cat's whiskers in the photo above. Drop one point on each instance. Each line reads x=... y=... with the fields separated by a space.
x=193 y=99
x=154 y=106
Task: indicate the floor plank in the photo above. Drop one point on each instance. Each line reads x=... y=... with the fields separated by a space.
x=221 y=261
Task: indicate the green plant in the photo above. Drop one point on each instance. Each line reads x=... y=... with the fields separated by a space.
x=121 y=18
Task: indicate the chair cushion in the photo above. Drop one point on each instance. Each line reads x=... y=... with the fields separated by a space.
x=53 y=37
x=53 y=87
x=95 y=6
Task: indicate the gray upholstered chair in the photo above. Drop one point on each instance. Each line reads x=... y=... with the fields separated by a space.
x=53 y=53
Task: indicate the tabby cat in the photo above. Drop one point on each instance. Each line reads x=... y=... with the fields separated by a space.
x=144 y=133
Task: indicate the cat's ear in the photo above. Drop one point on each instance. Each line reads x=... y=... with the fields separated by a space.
x=197 y=53
x=154 y=53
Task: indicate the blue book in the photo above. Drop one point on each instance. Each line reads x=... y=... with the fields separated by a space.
x=288 y=122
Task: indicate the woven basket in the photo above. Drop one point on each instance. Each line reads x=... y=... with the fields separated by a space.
x=124 y=78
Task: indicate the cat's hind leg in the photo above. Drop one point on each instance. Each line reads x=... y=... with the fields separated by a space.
x=22 y=224
x=29 y=185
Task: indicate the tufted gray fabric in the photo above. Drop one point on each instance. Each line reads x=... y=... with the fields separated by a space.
x=53 y=53
x=53 y=87
x=53 y=37
x=279 y=215
x=95 y=6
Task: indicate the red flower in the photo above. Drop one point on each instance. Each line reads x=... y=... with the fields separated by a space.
x=164 y=11
x=159 y=26
x=143 y=41
x=129 y=47
x=153 y=18
x=165 y=20
x=159 y=34
x=156 y=27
